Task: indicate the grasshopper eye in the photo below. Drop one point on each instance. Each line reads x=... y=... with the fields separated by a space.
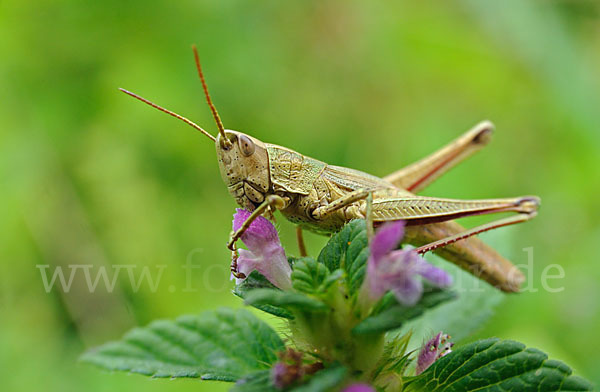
x=246 y=145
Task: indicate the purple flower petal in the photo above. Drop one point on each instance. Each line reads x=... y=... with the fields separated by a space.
x=408 y=291
x=388 y=236
x=265 y=253
x=397 y=270
x=435 y=275
x=261 y=231
x=384 y=273
x=247 y=261
x=359 y=388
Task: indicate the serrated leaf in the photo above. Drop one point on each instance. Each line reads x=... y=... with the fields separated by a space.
x=311 y=277
x=284 y=299
x=497 y=365
x=308 y=275
x=217 y=345
x=392 y=315
x=332 y=278
x=255 y=281
x=324 y=380
x=348 y=249
x=255 y=382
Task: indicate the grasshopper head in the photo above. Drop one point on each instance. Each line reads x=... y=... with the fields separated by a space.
x=244 y=167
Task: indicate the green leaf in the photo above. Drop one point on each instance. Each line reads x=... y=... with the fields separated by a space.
x=394 y=357
x=311 y=277
x=324 y=380
x=254 y=281
x=255 y=382
x=497 y=365
x=284 y=299
x=392 y=315
x=217 y=345
x=348 y=249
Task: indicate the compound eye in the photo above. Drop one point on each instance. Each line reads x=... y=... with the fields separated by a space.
x=246 y=145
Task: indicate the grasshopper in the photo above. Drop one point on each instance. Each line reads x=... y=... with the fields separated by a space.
x=319 y=197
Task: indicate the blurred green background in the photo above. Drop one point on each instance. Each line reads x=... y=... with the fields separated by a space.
x=90 y=176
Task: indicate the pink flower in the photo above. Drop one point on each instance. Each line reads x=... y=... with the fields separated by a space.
x=433 y=350
x=265 y=253
x=397 y=270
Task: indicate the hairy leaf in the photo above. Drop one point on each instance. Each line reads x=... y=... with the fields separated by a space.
x=255 y=281
x=216 y=345
x=497 y=365
x=391 y=315
x=348 y=249
x=284 y=299
x=311 y=277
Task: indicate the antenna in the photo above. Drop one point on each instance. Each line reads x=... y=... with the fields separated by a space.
x=226 y=142
x=185 y=120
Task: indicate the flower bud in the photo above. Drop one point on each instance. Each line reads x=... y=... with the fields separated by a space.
x=433 y=350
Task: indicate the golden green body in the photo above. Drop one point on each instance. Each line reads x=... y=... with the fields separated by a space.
x=308 y=190
x=322 y=198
